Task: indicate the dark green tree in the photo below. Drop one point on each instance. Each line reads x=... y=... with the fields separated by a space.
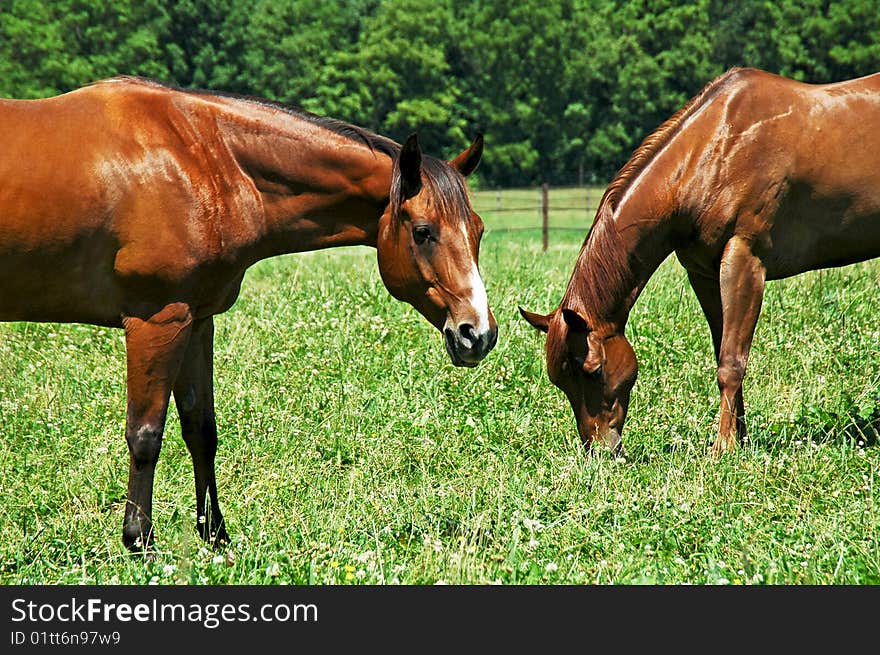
x=50 y=48
x=564 y=90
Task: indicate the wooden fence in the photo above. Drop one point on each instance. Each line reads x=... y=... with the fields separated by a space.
x=540 y=208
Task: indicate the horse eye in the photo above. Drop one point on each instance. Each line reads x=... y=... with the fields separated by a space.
x=421 y=233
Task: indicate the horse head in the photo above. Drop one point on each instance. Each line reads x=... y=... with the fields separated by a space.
x=428 y=249
x=595 y=368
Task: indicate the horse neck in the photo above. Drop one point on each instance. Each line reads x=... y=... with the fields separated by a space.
x=622 y=250
x=317 y=189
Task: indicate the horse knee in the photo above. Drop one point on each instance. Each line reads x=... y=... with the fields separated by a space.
x=730 y=374
x=144 y=444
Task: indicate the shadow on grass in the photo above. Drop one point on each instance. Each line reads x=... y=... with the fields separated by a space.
x=859 y=424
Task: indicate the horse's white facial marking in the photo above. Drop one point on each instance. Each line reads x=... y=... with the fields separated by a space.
x=479 y=300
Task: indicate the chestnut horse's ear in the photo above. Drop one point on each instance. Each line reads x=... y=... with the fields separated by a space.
x=539 y=321
x=574 y=320
x=595 y=357
x=410 y=166
x=467 y=161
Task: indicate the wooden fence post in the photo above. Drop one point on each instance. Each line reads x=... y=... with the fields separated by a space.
x=545 y=213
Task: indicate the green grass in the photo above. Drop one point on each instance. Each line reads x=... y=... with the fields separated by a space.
x=353 y=452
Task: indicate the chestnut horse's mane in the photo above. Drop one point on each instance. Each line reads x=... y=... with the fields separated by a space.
x=601 y=273
x=447 y=185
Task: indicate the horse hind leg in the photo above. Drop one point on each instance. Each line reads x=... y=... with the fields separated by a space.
x=742 y=279
x=194 y=397
x=154 y=350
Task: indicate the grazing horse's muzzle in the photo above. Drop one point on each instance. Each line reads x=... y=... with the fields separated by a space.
x=466 y=347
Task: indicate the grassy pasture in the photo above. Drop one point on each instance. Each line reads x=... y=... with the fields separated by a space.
x=353 y=452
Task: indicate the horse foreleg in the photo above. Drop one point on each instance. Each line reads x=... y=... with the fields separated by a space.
x=154 y=350
x=742 y=292
x=194 y=397
x=708 y=292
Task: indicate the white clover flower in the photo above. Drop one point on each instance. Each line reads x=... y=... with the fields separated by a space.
x=533 y=525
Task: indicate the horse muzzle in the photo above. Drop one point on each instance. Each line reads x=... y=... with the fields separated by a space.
x=606 y=438
x=466 y=347
x=611 y=440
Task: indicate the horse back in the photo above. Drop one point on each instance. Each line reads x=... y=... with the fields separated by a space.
x=107 y=192
x=793 y=167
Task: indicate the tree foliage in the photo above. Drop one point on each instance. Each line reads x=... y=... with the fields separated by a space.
x=564 y=90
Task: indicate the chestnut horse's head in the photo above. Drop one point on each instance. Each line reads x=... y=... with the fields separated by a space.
x=596 y=368
x=428 y=248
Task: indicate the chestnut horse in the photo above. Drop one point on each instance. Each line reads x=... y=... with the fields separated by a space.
x=132 y=204
x=757 y=178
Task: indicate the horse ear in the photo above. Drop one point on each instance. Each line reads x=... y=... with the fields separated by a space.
x=574 y=321
x=539 y=321
x=409 y=164
x=468 y=160
x=595 y=357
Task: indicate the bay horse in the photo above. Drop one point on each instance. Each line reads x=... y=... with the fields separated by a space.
x=132 y=204
x=757 y=178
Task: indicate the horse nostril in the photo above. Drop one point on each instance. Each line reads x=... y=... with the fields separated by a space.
x=467 y=331
x=493 y=337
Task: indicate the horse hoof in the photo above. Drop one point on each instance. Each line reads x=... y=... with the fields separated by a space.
x=221 y=538
x=214 y=535
x=136 y=539
x=720 y=448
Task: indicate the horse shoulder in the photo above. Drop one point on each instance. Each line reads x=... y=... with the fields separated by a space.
x=187 y=204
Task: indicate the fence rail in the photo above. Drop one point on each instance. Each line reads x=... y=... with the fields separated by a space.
x=555 y=209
